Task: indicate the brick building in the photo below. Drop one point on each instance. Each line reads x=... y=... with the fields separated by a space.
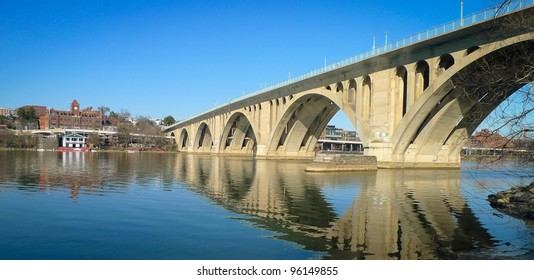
x=489 y=139
x=75 y=118
x=39 y=110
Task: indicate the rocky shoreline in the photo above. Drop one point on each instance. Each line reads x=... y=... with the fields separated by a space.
x=517 y=201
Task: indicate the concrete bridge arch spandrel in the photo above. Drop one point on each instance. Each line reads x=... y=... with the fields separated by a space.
x=440 y=122
x=183 y=140
x=203 y=139
x=238 y=135
x=301 y=123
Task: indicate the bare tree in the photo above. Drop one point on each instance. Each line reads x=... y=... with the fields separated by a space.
x=124 y=115
x=93 y=140
x=498 y=89
x=124 y=134
x=103 y=110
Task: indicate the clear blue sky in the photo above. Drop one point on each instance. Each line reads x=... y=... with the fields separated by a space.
x=157 y=58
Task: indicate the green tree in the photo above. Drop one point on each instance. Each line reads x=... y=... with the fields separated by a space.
x=30 y=114
x=169 y=120
x=27 y=117
x=113 y=115
x=21 y=113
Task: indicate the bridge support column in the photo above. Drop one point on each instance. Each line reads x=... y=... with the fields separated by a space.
x=410 y=159
x=261 y=150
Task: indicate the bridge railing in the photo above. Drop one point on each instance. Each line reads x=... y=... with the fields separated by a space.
x=485 y=15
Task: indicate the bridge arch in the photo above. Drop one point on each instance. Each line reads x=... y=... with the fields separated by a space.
x=203 y=138
x=351 y=93
x=339 y=87
x=400 y=96
x=238 y=135
x=455 y=104
x=422 y=77
x=299 y=128
x=445 y=62
x=183 y=140
x=365 y=98
x=471 y=50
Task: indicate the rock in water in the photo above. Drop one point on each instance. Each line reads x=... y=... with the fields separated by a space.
x=517 y=202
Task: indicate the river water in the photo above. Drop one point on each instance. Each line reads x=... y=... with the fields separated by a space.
x=178 y=206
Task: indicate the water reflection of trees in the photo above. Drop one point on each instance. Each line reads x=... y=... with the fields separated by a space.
x=83 y=173
x=397 y=214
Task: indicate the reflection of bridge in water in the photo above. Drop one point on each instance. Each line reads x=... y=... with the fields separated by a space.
x=384 y=214
x=393 y=214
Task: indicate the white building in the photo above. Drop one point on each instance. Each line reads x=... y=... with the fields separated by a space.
x=8 y=112
x=74 y=140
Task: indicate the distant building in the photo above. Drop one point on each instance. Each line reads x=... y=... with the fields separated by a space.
x=157 y=121
x=73 y=141
x=75 y=118
x=39 y=110
x=331 y=132
x=350 y=135
x=488 y=139
x=8 y=112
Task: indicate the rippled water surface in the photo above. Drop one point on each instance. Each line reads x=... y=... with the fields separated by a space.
x=176 y=206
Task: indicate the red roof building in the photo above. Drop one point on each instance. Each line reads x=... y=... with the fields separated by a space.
x=75 y=118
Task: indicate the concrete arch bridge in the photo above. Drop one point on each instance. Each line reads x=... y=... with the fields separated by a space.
x=414 y=102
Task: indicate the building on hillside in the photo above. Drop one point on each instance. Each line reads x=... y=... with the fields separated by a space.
x=489 y=139
x=39 y=110
x=157 y=121
x=26 y=120
x=6 y=112
x=75 y=118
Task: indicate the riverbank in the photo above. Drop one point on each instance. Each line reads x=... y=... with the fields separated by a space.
x=517 y=201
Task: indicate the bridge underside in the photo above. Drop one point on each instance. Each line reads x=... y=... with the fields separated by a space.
x=416 y=110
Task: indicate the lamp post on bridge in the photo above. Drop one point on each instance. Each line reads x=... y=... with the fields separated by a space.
x=461 y=12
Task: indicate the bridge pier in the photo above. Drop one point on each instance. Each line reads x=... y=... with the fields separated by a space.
x=410 y=159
